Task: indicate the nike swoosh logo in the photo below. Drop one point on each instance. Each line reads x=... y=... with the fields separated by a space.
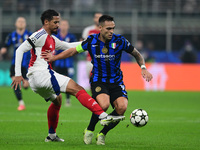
x=94 y=45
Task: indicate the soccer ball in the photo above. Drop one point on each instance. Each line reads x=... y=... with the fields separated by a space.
x=139 y=117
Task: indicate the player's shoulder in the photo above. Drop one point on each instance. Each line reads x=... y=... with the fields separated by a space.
x=118 y=36
x=92 y=37
x=12 y=33
x=38 y=34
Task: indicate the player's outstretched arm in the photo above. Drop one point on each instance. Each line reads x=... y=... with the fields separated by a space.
x=49 y=57
x=140 y=60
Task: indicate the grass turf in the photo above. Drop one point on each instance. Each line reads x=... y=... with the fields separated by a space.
x=174 y=123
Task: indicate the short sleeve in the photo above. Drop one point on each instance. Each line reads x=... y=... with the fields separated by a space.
x=127 y=45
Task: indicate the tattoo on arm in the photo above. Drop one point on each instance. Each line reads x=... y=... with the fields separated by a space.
x=139 y=58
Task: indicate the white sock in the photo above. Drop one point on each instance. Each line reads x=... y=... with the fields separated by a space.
x=21 y=102
x=52 y=135
x=103 y=115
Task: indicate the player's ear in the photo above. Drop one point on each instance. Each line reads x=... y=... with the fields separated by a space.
x=100 y=27
x=46 y=22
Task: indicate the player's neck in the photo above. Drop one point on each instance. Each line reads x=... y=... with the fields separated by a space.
x=101 y=38
x=20 y=31
x=47 y=30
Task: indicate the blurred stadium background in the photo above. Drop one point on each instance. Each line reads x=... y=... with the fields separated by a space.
x=164 y=31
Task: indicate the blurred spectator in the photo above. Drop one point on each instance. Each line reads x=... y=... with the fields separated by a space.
x=188 y=54
x=146 y=52
x=189 y=6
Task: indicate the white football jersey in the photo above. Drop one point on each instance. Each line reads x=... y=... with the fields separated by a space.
x=38 y=42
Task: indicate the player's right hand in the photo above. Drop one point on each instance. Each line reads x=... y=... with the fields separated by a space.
x=47 y=56
x=17 y=82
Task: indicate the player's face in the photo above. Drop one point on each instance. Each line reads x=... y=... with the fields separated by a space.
x=54 y=24
x=107 y=30
x=20 y=23
x=64 y=25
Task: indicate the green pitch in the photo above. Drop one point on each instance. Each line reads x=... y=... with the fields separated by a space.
x=174 y=123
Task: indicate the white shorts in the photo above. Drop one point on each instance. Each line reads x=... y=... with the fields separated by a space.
x=48 y=83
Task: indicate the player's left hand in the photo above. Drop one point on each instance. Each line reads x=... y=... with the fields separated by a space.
x=17 y=82
x=146 y=75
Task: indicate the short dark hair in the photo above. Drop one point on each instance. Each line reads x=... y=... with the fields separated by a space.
x=48 y=15
x=104 y=18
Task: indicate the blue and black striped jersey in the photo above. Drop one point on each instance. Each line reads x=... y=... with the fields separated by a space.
x=106 y=57
x=16 y=40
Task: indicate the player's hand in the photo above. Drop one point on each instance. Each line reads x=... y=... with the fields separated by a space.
x=146 y=75
x=47 y=55
x=17 y=82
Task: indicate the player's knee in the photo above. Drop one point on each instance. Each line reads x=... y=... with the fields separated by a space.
x=121 y=108
x=73 y=88
x=58 y=100
x=105 y=106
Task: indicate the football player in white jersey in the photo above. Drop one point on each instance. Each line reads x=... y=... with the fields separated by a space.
x=46 y=82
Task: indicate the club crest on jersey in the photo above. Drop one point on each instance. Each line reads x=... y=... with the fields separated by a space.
x=98 y=89
x=104 y=50
x=113 y=45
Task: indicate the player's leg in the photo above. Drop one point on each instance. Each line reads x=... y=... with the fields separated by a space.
x=67 y=85
x=120 y=105
x=46 y=85
x=53 y=117
x=84 y=98
x=104 y=101
x=119 y=101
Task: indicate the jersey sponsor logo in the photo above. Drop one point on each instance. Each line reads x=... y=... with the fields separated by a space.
x=98 y=89
x=106 y=57
x=50 y=46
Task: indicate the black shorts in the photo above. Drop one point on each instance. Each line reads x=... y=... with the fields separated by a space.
x=114 y=90
x=23 y=70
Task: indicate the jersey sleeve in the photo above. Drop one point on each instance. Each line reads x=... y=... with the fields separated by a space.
x=84 y=45
x=35 y=40
x=24 y=47
x=127 y=47
x=62 y=45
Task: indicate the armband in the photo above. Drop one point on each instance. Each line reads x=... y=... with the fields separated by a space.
x=79 y=48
